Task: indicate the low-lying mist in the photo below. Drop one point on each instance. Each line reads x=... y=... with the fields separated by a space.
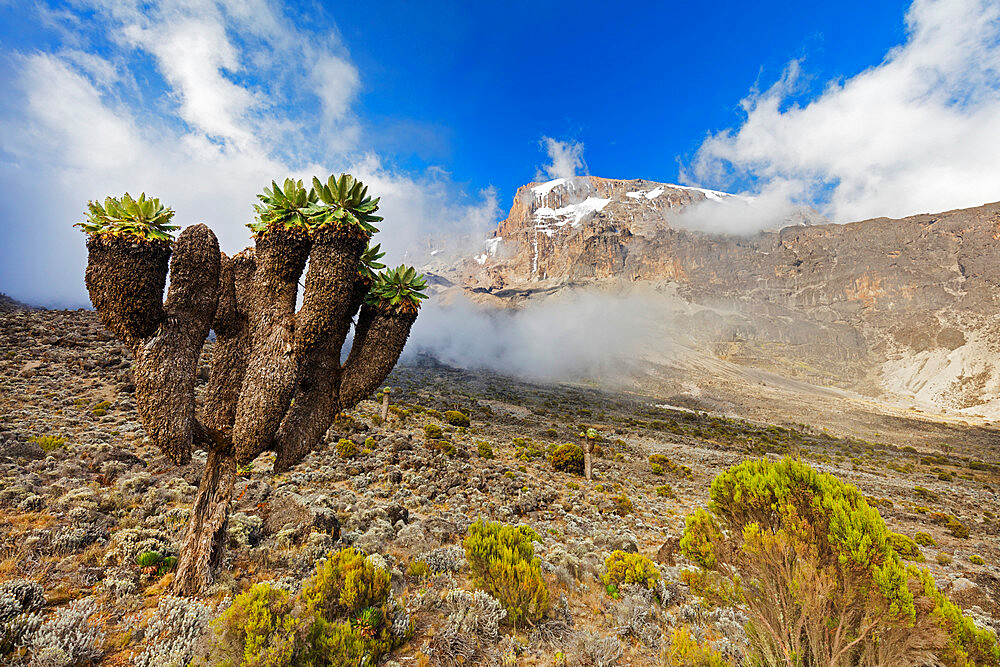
x=575 y=335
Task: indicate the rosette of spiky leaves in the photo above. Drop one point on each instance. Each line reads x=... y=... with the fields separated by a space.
x=144 y=218
x=369 y=266
x=366 y=623
x=343 y=201
x=283 y=206
x=399 y=289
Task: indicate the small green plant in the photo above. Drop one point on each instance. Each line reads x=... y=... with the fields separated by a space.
x=924 y=539
x=943 y=558
x=143 y=218
x=685 y=651
x=484 y=450
x=346 y=449
x=622 y=504
x=456 y=418
x=906 y=548
x=48 y=443
x=433 y=431
x=656 y=468
x=666 y=463
x=568 y=458
x=418 y=568
x=976 y=559
x=665 y=491
x=623 y=568
x=502 y=560
x=951 y=524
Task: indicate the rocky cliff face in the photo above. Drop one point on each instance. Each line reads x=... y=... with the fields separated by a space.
x=901 y=307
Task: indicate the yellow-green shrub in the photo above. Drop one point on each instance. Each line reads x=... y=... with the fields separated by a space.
x=568 y=458
x=623 y=568
x=798 y=548
x=502 y=560
x=259 y=628
x=346 y=449
x=684 y=651
x=456 y=418
x=906 y=548
x=433 y=431
x=346 y=583
x=342 y=616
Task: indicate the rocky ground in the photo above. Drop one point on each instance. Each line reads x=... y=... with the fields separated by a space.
x=82 y=493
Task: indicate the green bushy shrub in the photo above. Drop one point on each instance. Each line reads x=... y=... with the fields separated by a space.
x=924 y=539
x=976 y=559
x=346 y=449
x=951 y=524
x=484 y=450
x=502 y=560
x=621 y=568
x=665 y=491
x=343 y=616
x=433 y=431
x=666 y=463
x=622 y=504
x=456 y=418
x=48 y=443
x=797 y=548
x=568 y=458
x=906 y=548
x=684 y=651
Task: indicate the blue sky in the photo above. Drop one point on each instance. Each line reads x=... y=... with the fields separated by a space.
x=859 y=109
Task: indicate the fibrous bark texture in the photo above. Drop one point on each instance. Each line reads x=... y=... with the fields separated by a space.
x=265 y=354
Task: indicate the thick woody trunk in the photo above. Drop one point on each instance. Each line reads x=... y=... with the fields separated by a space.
x=204 y=545
x=588 y=469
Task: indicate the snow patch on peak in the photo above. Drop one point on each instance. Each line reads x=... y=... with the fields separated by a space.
x=546 y=188
x=575 y=211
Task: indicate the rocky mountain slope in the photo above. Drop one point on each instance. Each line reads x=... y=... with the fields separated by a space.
x=83 y=493
x=899 y=309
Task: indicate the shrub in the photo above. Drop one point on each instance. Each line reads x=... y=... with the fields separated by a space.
x=346 y=583
x=456 y=418
x=622 y=504
x=484 y=450
x=48 y=443
x=656 y=468
x=798 y=548
x=623 y=568
x=418 y=568
x=924 y=539
x=568 y=458
x=951 y=524
x=943 y=558
x=343 y=616
x=346 y=449
x=665 y=491
x=976 y=559
x=905 y=547
x=433 y=431
x=684 y=651
x=666 y=463
x=502 y=560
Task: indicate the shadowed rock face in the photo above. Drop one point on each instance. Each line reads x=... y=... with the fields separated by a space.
x=901 y=306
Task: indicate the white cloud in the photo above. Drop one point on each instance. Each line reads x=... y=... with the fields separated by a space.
x=566 y=160
x=919 y=132
x=245 y=97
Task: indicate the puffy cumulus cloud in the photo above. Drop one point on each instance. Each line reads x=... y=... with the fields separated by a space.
x=200 y=104
x=566 y=160
x=919 y=132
